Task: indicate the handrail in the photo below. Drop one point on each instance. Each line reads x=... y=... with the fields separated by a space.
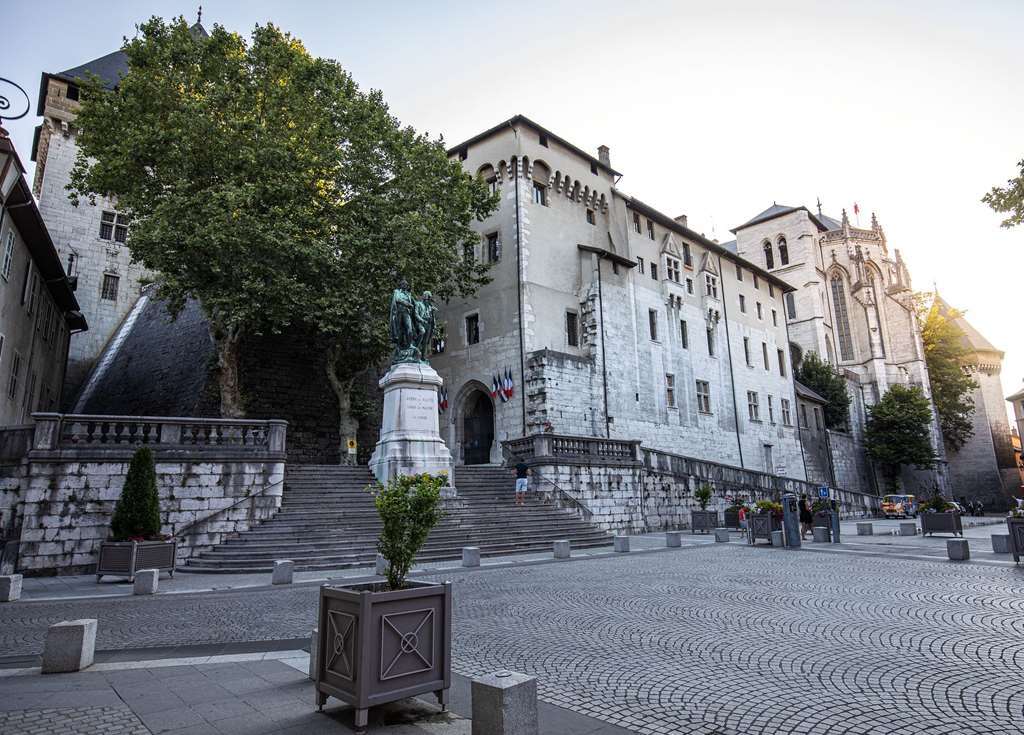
x=182 y=532
x=565 y=494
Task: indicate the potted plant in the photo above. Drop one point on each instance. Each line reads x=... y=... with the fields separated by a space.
x=767 y=517
x=822 y=510
x=938 y=516
x=136 y=541
x=1015 y=527
x=384 y=641
x=731 y=515
x=703 y=520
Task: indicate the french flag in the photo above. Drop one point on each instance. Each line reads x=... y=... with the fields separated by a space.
x=494 y=386
x=508 y=386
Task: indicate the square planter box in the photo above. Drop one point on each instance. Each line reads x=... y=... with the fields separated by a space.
x=948 y=522
x=124 y=558
x=378 y=646
x=703 y=520
x=822 y=518
x=1015 y=526
x=731 y=518
x=761 y=525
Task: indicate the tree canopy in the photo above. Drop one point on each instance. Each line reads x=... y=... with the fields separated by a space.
x=825 y=380
x=898 y=431
x=262 y=181
x=1009 y=200
x=951 y=384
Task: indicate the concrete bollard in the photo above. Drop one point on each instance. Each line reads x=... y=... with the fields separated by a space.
x=777 y=538
x=561 y=549
x=314 y=641
x=864 y=528
x=908 y=529
x=470 y=556
x=381 y=566
x=957 y=549
x=721 y=535
x=1000 y=545
x=10 y=588
x=673 y=539
x=505 y=703
x=70 y=646
x=621 y=544
x=283 y=571
x=146 y=581
x=822 y=535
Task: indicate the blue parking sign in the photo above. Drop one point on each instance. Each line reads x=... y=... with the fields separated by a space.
x=823 y=491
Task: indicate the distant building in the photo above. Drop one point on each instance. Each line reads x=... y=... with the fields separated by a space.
x=1017 y=401
x=38 y=310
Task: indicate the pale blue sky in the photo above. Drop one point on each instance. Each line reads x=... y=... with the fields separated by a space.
x=713 y=109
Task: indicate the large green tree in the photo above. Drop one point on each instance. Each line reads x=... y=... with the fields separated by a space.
x=1009 y=200
x=898 y=432
x=262 y=181
x=951 y=383
x=825 y=380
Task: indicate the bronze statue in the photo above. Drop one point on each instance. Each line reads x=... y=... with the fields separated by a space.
x=425 y=318
x=411 y=324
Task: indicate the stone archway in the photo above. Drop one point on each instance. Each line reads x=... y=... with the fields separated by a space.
x=477 y=419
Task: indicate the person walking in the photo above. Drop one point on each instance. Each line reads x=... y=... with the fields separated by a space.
x=522 y=482
x=806 y=518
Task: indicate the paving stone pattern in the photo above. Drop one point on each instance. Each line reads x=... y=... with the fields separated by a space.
x=73 y=721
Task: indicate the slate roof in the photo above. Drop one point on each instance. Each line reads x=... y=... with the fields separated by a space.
x=730 y=246
x=972 y=339
x=804 y=392
x=1016 y=396
x=823 y=222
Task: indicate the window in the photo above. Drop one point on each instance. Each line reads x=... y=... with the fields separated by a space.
x=782 y=362
x=654 y=271
x=473 y=329
x=672 y=266
x=711 y=285
x=2 y=340
x=636 y=222
x=771 y=411
x=493 y=248
x=803 y=414
x=703 y=396
x=760 y=311
x=753 y=409
x=469 y=252
x=650 y=229
x=842 y=318
x=743 y=304
x=769 y=257
x=764 y=355
x=72 y=93
x=652 y=323
x=775 y=318
x=711 y=342
x=113 y=226
x=12 y=384
x=739 y=272
x=689 y=286
x=783 y=252
x=572 y=329
x=33 y=292
x=593 y=168
x=790 y=306
x=492 y=184
x=543 y=140
x=670 y=390
x=463 y=154
x=5 y=271
x=25 y=282
x=30 y=393
x=746 y=351
x=687 y=258
x=787 y=418
x=109 y=290
x=640 y=264
x=590 y=217
x=771 y=290
x=684 y=338
x=817 y=418
x=757 y=283
x=540 y=194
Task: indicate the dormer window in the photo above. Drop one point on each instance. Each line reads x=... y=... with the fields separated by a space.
x=672 y=266
x=711 y=285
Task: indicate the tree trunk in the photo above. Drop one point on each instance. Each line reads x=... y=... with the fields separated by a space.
x=228 y=342
x=348 y=425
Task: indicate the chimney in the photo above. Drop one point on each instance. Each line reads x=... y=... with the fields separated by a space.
x=602 y=155
x=681 y=219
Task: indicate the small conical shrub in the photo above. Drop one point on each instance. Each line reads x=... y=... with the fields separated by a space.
x=138 y=510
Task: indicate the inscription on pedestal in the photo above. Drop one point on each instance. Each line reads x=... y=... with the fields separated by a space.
x=419 y=410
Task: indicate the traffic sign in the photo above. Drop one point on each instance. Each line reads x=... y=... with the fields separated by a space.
x=823 y=491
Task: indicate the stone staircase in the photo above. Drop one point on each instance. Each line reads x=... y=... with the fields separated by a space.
x=327 y=520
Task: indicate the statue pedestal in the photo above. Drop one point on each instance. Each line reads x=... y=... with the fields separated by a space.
x=410 y=437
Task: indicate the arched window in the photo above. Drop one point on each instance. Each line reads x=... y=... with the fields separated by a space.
x=783 y=252
x=842 y=317
x=769 y=257
x=830 y=352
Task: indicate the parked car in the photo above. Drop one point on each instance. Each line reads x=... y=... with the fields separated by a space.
x=899 y=506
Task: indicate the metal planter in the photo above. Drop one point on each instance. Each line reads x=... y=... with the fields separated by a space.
x=378 y=646
x=1015 y=527
x=125 y=558
x=948 y=522
x=703 y=520
x=761 y=525
x=731 y=518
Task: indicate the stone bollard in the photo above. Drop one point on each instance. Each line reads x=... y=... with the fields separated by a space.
x=864 y=528
x=777 y=538
x=10 y=588
x=146 y=581
x=957 y=549
x=381 y=566
x=673 y=539
x=621 y=544
x=561 y=549
x=822 y=535
x=70 y=646
x=314 y=641
x=470 y=556
x=283 y=571
x=505 y=703
x=1000 y=545
x=908 y=529
x=721 y=535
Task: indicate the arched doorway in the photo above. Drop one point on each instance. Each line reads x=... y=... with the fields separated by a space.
x=477 y=428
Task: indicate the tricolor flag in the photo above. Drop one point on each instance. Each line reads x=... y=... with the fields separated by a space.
x=494 y=386
x=442 y=400
x=508 y=386
x=500 y=382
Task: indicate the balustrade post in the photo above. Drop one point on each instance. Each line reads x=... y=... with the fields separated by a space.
x=47 y=430
x=169 y=433
x=276 y=434
x=541 y=445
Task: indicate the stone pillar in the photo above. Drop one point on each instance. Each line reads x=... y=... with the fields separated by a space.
x=505 y=703
x=277 y=432
x=283 y=571
x=70 y=646
x=10 y=587
x=47 y=430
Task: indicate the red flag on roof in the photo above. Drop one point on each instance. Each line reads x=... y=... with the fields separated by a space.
x=856 y=208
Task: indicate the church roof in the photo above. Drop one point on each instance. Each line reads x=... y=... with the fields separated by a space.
x=1016 y=396
x=972 y=339
x=730 y=246
x=823 y=222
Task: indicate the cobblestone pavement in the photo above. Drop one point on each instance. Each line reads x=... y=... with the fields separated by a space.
x=723 y=639
x=73 y=721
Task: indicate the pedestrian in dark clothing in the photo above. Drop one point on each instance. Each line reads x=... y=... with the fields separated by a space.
x=522 y=480
x=806 y=517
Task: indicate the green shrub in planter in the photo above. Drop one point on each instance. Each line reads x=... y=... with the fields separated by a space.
x=137 y=516
x=703 y=496
x=409 y=507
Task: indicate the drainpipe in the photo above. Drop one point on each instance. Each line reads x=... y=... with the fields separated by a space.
x=796 y=402
x=604 y=371
x=519 y=295
x=728 y=348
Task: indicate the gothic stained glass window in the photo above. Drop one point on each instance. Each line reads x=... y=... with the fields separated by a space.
x=783 y=252
x=842 y=319
x=769 y=258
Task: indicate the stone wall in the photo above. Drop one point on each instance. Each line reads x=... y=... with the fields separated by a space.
x=214 y=477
